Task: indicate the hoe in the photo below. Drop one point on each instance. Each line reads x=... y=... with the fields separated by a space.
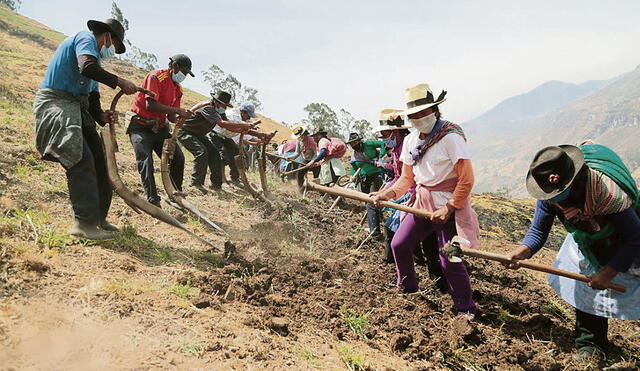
x=130 y=198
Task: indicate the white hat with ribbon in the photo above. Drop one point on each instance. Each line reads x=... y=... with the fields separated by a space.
x=420 y=97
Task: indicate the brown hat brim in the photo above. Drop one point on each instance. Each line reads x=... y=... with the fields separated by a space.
x=534 y=189
x=93 y=25
x=228 y=105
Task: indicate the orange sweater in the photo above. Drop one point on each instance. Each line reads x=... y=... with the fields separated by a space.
x=464 y=171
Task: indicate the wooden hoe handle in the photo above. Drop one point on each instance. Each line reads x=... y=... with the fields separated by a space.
x=534 y=266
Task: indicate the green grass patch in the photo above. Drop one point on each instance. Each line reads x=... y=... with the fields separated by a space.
x=192 y=346
x=353 y=361
x=53 y=238
x=307 y=355
x=356 y=321
x=215 y=260
x=129 y=239
x=123 y=288
x=183 y=291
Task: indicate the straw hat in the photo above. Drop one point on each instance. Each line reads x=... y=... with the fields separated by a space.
x=420 y=97
x=391 y=119
x=299 y=131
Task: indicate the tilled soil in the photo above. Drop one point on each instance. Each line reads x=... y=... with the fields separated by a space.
x=288 y=290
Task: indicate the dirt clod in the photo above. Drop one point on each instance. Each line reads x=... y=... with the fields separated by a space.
x=279 y=325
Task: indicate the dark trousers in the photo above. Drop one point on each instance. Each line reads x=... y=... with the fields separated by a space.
x=591 y=331
x=230 y=150
x=89 y=187
x=301 y=175
x=145 y=143
x=205 y=155
x=368 y=184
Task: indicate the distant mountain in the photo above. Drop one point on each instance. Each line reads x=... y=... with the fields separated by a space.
x=607 y=112
x=542 y=99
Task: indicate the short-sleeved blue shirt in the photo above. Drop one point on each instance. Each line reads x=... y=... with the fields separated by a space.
x=63 y=72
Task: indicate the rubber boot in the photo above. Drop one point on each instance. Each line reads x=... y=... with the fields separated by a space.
x=106 y=226
x=89 y=231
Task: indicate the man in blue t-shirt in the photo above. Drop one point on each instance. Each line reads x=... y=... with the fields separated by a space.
x=66 y=109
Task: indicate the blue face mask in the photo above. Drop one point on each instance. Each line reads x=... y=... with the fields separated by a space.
x=221 y=110
x=108 y=52
x=390 y=142
x=178 y=77
x=561 y=196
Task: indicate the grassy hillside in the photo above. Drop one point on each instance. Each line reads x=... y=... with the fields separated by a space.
x=289 y=289
x=25 y=49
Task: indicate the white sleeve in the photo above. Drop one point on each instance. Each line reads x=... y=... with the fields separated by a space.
x=456 y=147
x=407 y=146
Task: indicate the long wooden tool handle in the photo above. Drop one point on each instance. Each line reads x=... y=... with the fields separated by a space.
x=285 y=159
x=534 y=266
x=359 y=196
x=294 y=171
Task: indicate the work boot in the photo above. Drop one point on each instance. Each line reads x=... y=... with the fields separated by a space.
x=589 y=354
x=201 y=188
x=156 y=203
x=89 y=231
x=105 y=225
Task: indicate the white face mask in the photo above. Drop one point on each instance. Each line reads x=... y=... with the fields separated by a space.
x=108 y=51
x=425 y=124
x=178 y=77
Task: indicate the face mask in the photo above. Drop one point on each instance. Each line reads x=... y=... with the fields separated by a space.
x=220 y=110
x=425 y=124
x=390 y=142
x=561 y=196
x=178 y=77
x=108 y=52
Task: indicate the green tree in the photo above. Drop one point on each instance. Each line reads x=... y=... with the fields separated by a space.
x=116 y=14
x=363 y=127
x=140 y=58
x=345 y=121
x=12 y=4
x=220 y=80
x=320 y=115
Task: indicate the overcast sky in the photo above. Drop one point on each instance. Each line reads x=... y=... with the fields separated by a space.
x=360 y=55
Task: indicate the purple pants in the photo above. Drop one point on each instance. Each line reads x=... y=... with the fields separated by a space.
x=411 y=232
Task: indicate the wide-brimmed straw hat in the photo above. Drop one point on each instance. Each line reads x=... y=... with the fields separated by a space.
x=420 y=97
x=299 y=131
x=114 y=27
x=391 y=119
x=553 y=170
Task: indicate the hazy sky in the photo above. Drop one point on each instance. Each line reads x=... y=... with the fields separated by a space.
x=360 y=55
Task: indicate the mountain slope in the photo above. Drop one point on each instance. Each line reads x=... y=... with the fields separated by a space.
x=544 y=98
x=609 y=116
